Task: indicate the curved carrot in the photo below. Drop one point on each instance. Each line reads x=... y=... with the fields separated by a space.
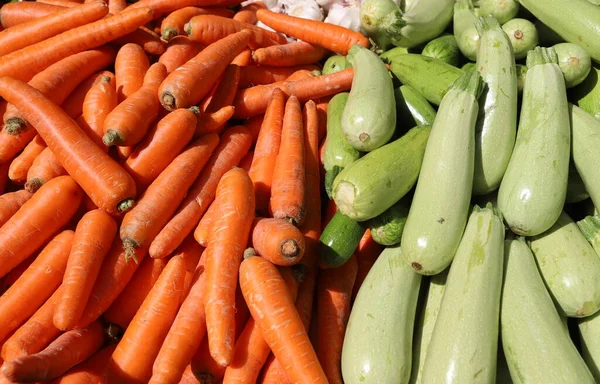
x=214 y=122
x=262 y=285
x=252 y=75
x=74 y=150
x=366 y=253
x=90 y=371
x=131 y=64
x=243 y=59
x=45 y=167
x=116 y=6
x=188 y=85
x=246 y=161
x=289 y=55
x=21 y=164
x=146 y=38
x=11 y=202
x=301 y=75
x=99 y=101
x=204 y=228
x=173 y=24
x=247 y=14
x=25 y=63
x=13 y=14
x=330 y=36
x=133 y=358
x=162 y=7
x=68 y=350
x=73 y=104
x=93 y=237
x=225 y=93
x=179 y=51
x=277 y=241
x=235 y=143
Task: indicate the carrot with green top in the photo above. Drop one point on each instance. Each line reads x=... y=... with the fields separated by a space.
x=243 y=59
x=179 y=51
x=173 y=24
x=192 y=81
x=11 y=202
x=214 y=122
x=289 y=55
x=203 y=230
x=100 y=100
x=277 y=241
x=228 y=86
x=19 y=167
x=206 y=29
x=131 y=64
x=45 y=167
x=247 y=14
x=73 y=104
x=16 y=13
x=90 y=371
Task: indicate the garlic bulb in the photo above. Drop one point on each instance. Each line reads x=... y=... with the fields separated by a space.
x=345 y=13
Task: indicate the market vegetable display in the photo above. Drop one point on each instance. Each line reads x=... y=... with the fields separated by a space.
x=299 y=191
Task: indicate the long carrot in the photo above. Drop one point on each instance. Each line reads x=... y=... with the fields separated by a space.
x=25 y=63
x=188 y=85
x=61 y=3
x=21 y=164
x=45 y=167
x=252 y=75
x=11 y=202
x=214 y=122
x=173 y=24
x=366 y=255
x=116 y=6
x=330 y=36
x=100 y=100
x=162 y=7
x=192 y=253
x=273 y=372
x=73 y=104
x=301 y=75
x=133 y=358
x=322 y=104
x=254 y=125
x=206 y=29
x=266 y=150
x=90 y=371
x=235 y=143
x=277 y=317
x=277 y=241
x=131 y=64
x=247 y=14
x=246 y=161
x=21 y=12
x=289 y=55
x=74 y=150
x=188 y=376
x=204 y=228
x=68 y=350
x=93 y=237
x=146 y=38
x=243 y=59
x=253 y=101
x=179 y=51
x=226 y=91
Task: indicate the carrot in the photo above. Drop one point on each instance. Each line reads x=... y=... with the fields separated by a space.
x=116 y=6
x=329 y=36
x=45 y=167
x=131 y=64
x=322 y=104
x=158 y=203
x=162 y=7
x=173 y=24
x=273 y=372
x=188 y=376
x=21 y=164
x=267 y=149
x=129 y=121
x=213 y=122
x=228 y=85
x=179 y=51
x=4 y=168
x=366 y=255
x=277 y=317
x=100 y=100
x=68 y=350
x=13 y=14
x=243 y=59
x=254 y=125
x=133 y=358
x=90 y=371
x=146 y=38
x=188 y=85
x=334 y=291
x=330 y=211
x=25 y=63
x=252 y=75
x=11 y=202
x=191 y=252
x=247 y=14
x=73 y=104
x=301 y=75
x=204 y=228
x=123 y=309
x=277 y=241
x=246 y=161
x=234 y=144
x=289 y=55
x=61 y=3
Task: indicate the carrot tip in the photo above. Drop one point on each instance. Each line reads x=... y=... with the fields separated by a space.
x=111 y=137
x=169 y=33
x=168 y=101
x=250 y=252
x=33 y=185
x=15 y=126
x=289 y=248
x=125 y=205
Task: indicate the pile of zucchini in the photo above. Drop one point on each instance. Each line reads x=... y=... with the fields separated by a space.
x=474 y=158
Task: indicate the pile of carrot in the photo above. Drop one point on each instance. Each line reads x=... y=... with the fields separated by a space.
x=160 y=194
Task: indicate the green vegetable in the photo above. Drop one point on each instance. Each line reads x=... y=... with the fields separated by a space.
x=339 y=240
x=444 y=48
x=464 y=29
x=589 y=329
x=468 y=66
x=391 y=54
x=502 y=10
x=381 y=19
x=576 y=191
x=536 y=347
x=440 y=205
x=497 y=123
x=335 y=64
x=369 y=117
x=533 y=190
x=574 y=62
x=412 y=108
x=386 y=229
x=521 y=76
x=431 y=77
x=373 y=183
x=464 y=343
x=585 y=130
x=587 y=94
x=338 y=153
x=378 y=343
x=523 y=36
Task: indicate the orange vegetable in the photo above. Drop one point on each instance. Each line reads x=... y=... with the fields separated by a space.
x=145 y=38
x=214 y=122
x=204 y=228
x=254 y=125
x=226 y=90
x=21 y=164
x=179 y=51
x=45 y=167
x=11 y=202
x=90 y=371
x=73 y=104
x=99 y=101
x=301 y=75
x=289 y=55
x=173 y=24
x=247 y=14
x=131 y=64
x=277 y=241
x=162 y=7
x=252 y=75
x=243 y=59
x=21 y=12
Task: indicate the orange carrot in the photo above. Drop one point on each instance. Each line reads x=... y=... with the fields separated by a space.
x=188 y=376
x=213 y=122
x=330 y=36
x=61 y=3
x=129 y=121
x=21 y=164
x=68 y=350
x=234 y=144
x=289 y=55
x=93 y=237
x=277 y=317
x=4 y=168
x=45 y=167
x=116 y=6
x=254 y=125
x=277 y=241
x=247 y=14
x=334 y=291
x=322 y=112
x=11 y=202
x=73 y=104
x=25 y=63
x=253 y=101
x=133 y=358
x=188 y=85
x=191 y=252
x=288 y=200
x=243 y=59
x=90 y=371
x=179 y=51
x=145 y=38
x=204 y=228
x=10 y=146
x=162 y=7
x=273 y=372
x=228 y=85
x=301 y=75
x=131 y=64
x=246 y=161
x=262 y=75
x=266 y=150
x=100 y=100
x=173 y=24
x=366 y=255
x=21 y=12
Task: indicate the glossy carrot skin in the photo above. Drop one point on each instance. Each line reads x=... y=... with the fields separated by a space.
x=131 y=64
x=73 y=104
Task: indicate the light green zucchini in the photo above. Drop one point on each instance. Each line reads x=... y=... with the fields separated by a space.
x=585 y=131
x=502 y=10
x=378 y=343
x=468 y=65
x=369 y=117
x=443 y=48
x=386 y=229
x=391 y=54
x=536 y=347
x=523 y=36
x=574 y=62
x=464 y=29
x=587 y=94
x=412 y=108
x=464 y=343
x=570 y=267
x=533 y=190
x=381 y=20
x=496 y=128
x=589 y=331
x=335 y=64
x=376 y=181
x=439 y=209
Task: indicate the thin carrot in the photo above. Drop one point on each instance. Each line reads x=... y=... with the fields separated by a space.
x=188 y=85
x=228 y=86
x=366 y=255
x=25 y=63
x=277 y=241
x=207 y=29
x=131 y=64
x=289 y=55
x=116 y=6
x=11 y=202
x=133 y=358
x=273 y=372
x=145 y=38
x=301 y=75
x=235 y=143
x=214 y=122
x=44 y=168
x=246 y=161
x=61 y=3
x=173 y=24
x=254 y=125
x=267 y=149
x=13 y=14
x=252 y=75
x=162 y=7
x=68 y=350
x=243 y=59
x=192 y=253
x=73 y=104
x=330 y=36
x=277 y=317
x=179 y=51
x=100 y=100
x=322 y=104
x=204 y=228
x=21 y=164
x=253 y=101
x=90 y=371
x=247 y=14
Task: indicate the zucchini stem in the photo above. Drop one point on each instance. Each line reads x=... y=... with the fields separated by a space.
x=470 y=81
x=541 y=55
x=590 y=227
x=487 y=23
x=463 y=4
